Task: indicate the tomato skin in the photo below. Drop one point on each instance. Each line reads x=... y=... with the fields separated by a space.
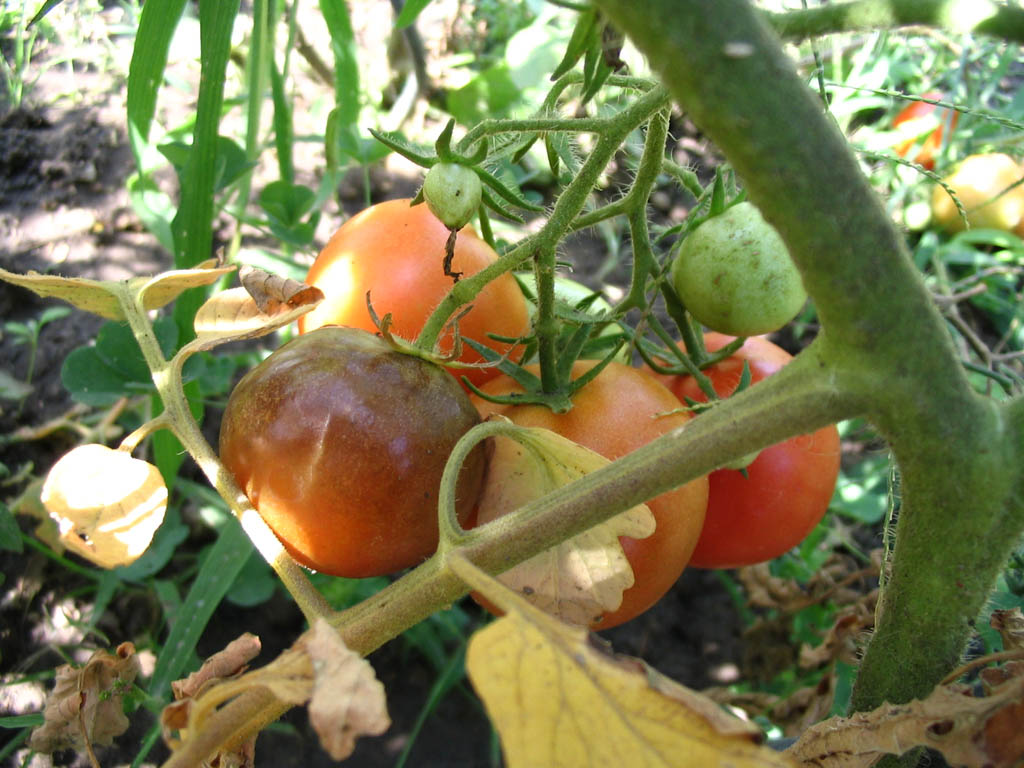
x=788 y=486
x=396 y=252
x=340 y=442
x=915 y=111
x=616 y=413
x=452 y=193
x=976 y=180
x=735 y=275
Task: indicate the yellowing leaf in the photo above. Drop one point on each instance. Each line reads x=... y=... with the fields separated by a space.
x=233 y=315
x=84 y=707
x=94 y=296
x=560 y=702
x=167 y=286
x=585 y=576
x=106 y=504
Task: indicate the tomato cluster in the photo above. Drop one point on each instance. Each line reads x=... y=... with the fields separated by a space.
x=339 y=440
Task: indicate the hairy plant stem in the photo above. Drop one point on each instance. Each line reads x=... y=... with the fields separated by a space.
x=541 y=246
x=178 y=418
x=978 y=17
x=883 y=340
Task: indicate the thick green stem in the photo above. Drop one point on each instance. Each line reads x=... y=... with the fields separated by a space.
x=883 y=340
x=977 y=17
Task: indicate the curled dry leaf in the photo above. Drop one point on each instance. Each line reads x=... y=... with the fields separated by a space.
x=223 y=665
x=233 y=314
x=845 y=637
x=161 y=290
x=84 y=707
x=585 y=576
x=345 y=698
x=106 y=504
x=560 y=702
x=1010 y=626
x=348 y=700
x=271 y=291
x=967 y=730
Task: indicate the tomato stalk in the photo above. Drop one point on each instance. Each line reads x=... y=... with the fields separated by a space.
x=541 y=246
x=177 y=416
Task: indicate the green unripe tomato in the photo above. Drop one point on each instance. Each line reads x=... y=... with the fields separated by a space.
x=735 y=275
x=452 y=192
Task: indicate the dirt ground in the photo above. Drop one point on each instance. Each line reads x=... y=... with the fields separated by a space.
x=63 y=208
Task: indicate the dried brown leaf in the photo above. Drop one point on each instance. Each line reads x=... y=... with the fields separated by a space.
x=84 y=707
x=271 y=291
x=967 y=730
x=227 y=663
x=845 y=637
x=1010 y=626
x=348 y=700
x=107 y=505
x=233 y=315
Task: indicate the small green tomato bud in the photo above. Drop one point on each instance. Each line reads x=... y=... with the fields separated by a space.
x=452 y=192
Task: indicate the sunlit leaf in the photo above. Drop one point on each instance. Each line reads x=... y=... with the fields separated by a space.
x=234 y=314
x=106 y=504
x=560 y=702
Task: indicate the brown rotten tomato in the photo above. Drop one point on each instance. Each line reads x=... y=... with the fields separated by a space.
x=396 y=252
x=758 y=514
x=616 y=413
x=339 y=441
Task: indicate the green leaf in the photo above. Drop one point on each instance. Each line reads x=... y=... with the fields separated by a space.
x=410 y=11
x=583 y=36
x=113 y=367
x=346 y=61
x=146 y=71
x=216 y=575
x=10 y=534
x=286 y=203
x=254 y=584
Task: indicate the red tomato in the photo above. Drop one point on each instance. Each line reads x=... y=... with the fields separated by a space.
x=396 y=252
x=788 y=486
x=619 y=411
x=916 y=110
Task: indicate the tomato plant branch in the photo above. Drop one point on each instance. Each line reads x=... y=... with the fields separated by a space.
x=177 y=416
x=978 y=17
x=799 y=399
x=570 y=202
x=883 y=341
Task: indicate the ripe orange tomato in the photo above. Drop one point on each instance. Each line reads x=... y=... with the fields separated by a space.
x=339 y=442
x=916 y=110
x=788 y=486
x=396 y=252
x=616 y=413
